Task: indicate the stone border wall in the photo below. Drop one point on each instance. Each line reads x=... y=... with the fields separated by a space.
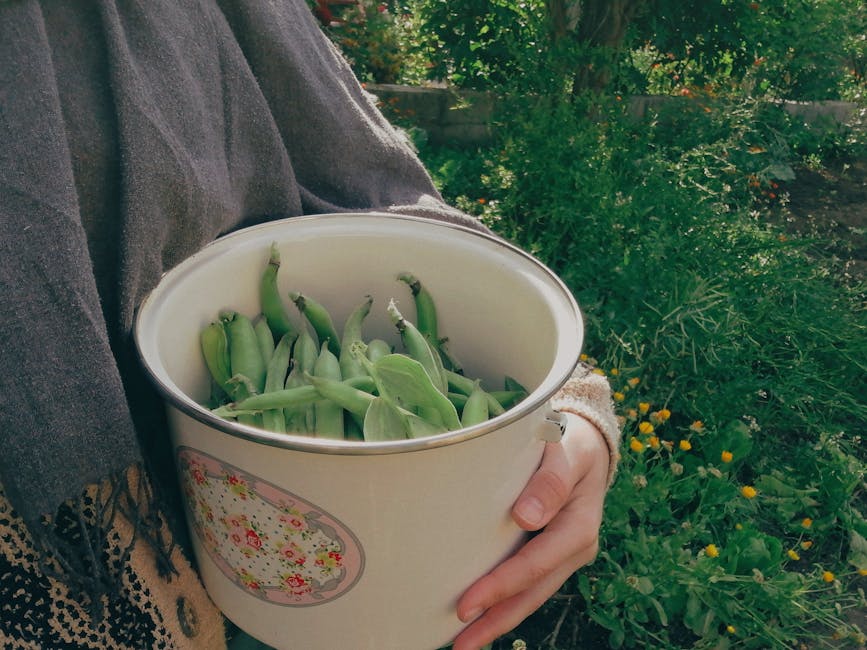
x=464 y=117
x=446 y=115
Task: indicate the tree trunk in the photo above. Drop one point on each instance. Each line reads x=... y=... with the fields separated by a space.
x=600 y=26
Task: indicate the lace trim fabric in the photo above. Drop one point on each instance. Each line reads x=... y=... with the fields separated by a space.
x=148 y=606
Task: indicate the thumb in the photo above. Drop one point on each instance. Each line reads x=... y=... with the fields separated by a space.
x=580 y=453
x=547 y=491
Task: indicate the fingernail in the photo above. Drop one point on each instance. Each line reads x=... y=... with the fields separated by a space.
x=472 y=615
x=531 y=510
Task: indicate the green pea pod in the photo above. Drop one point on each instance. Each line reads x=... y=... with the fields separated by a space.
x=407 y=382
x=342 y=393
x=274 y=420
x=476 y=409
x=377 y=348
x=508 y=398
x=215 y=349
x=320 y=320
x=512 y=384
x=275 y=379
x=458 y=383
x=458 y=399
x=265 y=339
x=425 y=308
x=384 y=421
x=327 y=364
x=418 y=348
x=273 y=307
x=294 y=398
x=305 y=352
x=349 y=364
x=278 y=366
x=244 y=352
x=448 y=358
x=426 y=320
x=329 y=415
x=297 y=417
x=242 y=388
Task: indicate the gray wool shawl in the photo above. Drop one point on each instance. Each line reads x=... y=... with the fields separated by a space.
x=132 y=133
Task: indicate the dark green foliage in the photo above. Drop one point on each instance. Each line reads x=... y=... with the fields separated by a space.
x=660 y=228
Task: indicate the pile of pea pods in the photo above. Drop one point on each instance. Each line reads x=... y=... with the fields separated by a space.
x=312 y=379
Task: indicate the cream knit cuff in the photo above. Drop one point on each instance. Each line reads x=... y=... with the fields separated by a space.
x=588 y=394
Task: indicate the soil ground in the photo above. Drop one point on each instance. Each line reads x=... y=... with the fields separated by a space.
x=831 y=205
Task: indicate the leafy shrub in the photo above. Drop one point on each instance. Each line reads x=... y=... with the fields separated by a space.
x=792 y=49
x=796 y=49
x=373 y=36
x=474 y=43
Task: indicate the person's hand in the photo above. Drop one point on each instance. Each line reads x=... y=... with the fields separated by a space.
x=565 y=498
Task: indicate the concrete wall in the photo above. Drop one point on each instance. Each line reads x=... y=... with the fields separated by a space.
x=446 y=115
x=464 y=117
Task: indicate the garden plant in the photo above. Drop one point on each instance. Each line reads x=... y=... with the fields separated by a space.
x=736 y=350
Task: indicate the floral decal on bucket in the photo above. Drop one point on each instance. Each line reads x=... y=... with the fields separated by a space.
x=271 y=543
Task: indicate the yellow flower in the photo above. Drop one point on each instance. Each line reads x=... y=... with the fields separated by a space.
x=599 y=371
x=806 y=544
x=793 y=554
x=726 y=456
x=632 y=414
x=653 y=442
x=739 y=526
x=862 y=572
x=827 y=576
x=636 y=445
x=583 y=357
x=711 y=550
x=643 y=407
x=663 y=414
x=633 y=381
x=748 y=492
x=730 y=629
x=614 y=372
x=618 y=396
x=697 y=426
x=806 y=522
x=645 y=427
x=684 y=445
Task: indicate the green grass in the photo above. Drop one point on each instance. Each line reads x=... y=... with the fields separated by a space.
x=738 y=358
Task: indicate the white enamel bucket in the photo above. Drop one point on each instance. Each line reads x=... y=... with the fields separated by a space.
x=319 y=544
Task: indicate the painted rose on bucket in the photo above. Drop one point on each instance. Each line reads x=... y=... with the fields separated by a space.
x=270 y=543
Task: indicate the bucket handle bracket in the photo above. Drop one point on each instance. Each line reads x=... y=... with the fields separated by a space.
x=553 y=426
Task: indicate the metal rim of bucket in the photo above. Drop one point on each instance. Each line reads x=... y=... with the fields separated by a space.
x=296 y=442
